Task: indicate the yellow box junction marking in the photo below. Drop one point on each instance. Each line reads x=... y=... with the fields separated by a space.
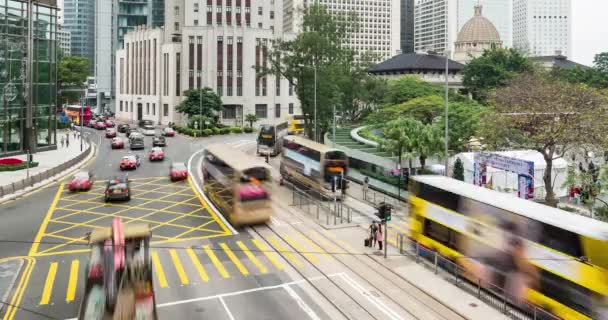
x=48 y=284
x=197 y=264
x=282 y=250
x=251 y=257
x=268 y=254
x=45 y=222
x=216 y=262
x=73 y=282
x=158 y=270
x=234 y=259
x=178 y=267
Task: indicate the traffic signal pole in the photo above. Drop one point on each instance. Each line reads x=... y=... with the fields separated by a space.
x=385 y=238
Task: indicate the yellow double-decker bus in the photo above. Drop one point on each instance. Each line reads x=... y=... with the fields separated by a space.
x=544 y=256
x=295 y=125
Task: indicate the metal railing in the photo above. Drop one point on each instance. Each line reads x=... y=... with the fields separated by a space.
x=41 y=176
x=494 y=295
x=329 y=212
x=376 y=198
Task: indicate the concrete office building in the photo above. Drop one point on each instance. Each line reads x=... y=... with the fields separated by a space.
x=407 y=26
x=543 y=27
x=435 y=25
x=27 y=113
x=212 y=44
x=379 y=23
x=499 y=12
x=79 y=21
x=64 y=40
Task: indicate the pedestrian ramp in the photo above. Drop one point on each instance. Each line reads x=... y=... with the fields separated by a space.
x=63 y=281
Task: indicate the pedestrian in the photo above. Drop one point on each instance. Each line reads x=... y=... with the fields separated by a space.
x=62 y=141
x=365 y=187
x=373 y=229
x=379 y=238
x=67 y=140
x=74 y=135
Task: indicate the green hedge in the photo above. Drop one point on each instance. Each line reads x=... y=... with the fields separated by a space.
x=209 y=131
x=236 y=130
x=248 y=129
x=16 y=167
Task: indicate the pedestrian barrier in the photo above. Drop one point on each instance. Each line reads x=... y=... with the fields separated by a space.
x=491 y=294
x=41 y=176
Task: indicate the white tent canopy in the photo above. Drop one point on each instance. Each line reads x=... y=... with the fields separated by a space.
x=505 y=181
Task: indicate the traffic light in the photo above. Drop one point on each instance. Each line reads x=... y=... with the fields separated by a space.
x=384 y=211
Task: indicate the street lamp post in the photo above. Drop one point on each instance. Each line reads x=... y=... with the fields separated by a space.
x=200 y=100
x=333 y=141
x=447 y=55
x=315 y=103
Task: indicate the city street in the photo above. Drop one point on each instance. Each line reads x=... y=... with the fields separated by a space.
x=289 y=268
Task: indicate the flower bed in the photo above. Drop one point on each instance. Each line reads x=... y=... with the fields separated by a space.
x=10 y=161
x=14 y=164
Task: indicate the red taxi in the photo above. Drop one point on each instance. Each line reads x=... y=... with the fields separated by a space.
x=178 y=171
x=110 y=124
x=130 y=162
x=100 y=125
x=110 y=133
x=82 y=181
x=156 y=154
x=168 y=132
x=118 y=143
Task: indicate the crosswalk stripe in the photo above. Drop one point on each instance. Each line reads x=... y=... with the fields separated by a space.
x=334 y=249
x=315 y=247
x=216 y=262
x=342 y=243
x=73 y=281
x=179 y=267
x=48 y=284
x=301 y=249
x=284 y=251
x=268 y=254
x=234 y=259
x=158 y=270
x=197 y=264
x=251 y=257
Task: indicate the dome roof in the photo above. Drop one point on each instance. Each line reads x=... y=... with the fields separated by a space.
x=478 y=29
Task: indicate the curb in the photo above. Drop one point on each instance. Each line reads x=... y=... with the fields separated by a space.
x=45 y=183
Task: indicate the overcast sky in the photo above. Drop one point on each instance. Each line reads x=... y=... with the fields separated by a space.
x=589 y=29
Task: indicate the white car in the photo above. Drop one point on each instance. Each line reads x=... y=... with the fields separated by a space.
x=148 y=131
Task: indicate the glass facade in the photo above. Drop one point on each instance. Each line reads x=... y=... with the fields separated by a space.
x=79 y=20
x=131 y=13
x=13 y=89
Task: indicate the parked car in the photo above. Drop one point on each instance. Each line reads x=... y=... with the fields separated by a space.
x=118 y=143
x=168 y=132
x=110 y=133
x=117 y=189
x=130 y=162
x=178 y=171
x=123 y=128
x=82 y=181
x=159 y=141
x=110 y=123
x=156 y=154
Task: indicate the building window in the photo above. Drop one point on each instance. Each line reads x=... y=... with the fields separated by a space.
x=154 y=109
x=148 y=108
x=261 y=111
x=290 y=89
x=220 y=91
x=209 y=9
x=271 y=14
x=176 y=10
x=229 y=112
x=176 y=26
x=218 y=9
x=229 y=91
x=260 y=25
x=239 y=91
x=177 y=73
x=196 y=7
x=196 y=22
x=121 y=106
x=260 y=11
x=277 y=111
x=165 y=110
x=291 y=108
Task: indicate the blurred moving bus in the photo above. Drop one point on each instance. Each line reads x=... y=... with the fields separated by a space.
x=271 y=138
x=296 y=125
x=238 y=184
x=314 y=165
x=534 y=253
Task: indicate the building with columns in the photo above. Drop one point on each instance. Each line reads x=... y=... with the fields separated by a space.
x=477 y=35
x=216 y=44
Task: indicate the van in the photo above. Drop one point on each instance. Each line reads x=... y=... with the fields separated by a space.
x=136 y=142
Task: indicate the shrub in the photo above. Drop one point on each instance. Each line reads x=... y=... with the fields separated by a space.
x=15 y=167
x=207 y=132
x=197 y=133
x=224 y=130
x=215 y=131
x=248 y=129
x=236 y=130
x=10 y=161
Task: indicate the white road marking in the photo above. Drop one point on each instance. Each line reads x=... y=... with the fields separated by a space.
x=305 y=307
x=371 y=298
x=226 y=308
x=276 y=221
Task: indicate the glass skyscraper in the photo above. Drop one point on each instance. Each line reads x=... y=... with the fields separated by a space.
x=21 y=128
x=79 y=20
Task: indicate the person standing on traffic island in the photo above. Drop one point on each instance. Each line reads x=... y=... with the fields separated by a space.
x=379 y=237
x=373 y=229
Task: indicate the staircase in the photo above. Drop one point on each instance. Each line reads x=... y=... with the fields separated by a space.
x=343 y=138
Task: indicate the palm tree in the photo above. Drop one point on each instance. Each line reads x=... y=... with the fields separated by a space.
x=429 y=143
x=251 y=118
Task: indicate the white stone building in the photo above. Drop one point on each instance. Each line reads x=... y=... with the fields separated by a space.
x=435 y=25
x=499 y=12
x=64 y=41
x=476 y=36
x=379 y=23
x=541 y=27
x=214 y=44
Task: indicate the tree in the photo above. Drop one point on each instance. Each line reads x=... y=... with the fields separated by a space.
x=458 y=170
x=407 y=88
x=400 y=137
x=600 y=62
x=424 y=109
x=430 y=142
x=493 y=69
x=464 y=120
x=209 y=106
x=72 y=73
x=538 y=112
x=251 y=118
x=321 y=48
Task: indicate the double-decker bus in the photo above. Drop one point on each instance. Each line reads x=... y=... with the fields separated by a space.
x=534 y=253
x=295 y=125
x=270 y=139
x=238 y=184
x=314 y=165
